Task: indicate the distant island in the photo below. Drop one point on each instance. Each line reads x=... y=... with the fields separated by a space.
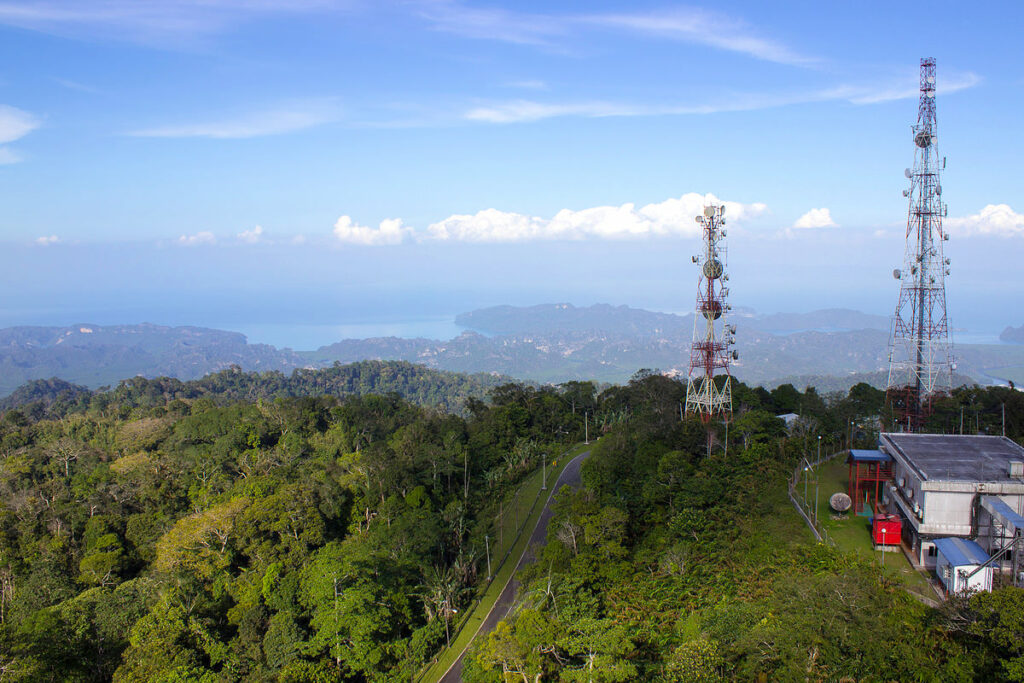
x=1013 y=335
x=550 y=343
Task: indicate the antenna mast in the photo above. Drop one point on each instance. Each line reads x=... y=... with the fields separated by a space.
x=920 y=356
x=710 y=351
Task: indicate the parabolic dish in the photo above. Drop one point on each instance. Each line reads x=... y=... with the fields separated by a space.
x=840 y=502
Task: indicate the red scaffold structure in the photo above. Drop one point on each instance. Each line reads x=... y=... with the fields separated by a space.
x=708 y=388
x=920 y=357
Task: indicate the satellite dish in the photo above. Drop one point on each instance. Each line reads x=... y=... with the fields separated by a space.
x=699 y=219
x=712 y=310
x=840 y=502
x=897 y=274
x=930 y=79
x=906 y=193
x=709 y=211
x=938 y=189
x=923 y=139
x=907 y=173
x=713 y=269
x=722 y=209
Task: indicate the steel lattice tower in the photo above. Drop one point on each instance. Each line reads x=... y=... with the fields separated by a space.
x=712 y=337
x=920 y=357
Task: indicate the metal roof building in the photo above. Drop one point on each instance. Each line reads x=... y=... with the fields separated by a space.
x=960 y=565
x=938 y=482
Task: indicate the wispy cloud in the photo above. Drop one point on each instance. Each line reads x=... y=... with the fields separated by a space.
x=149 y=21
x=695 y=26
x=277 y=121
x=701 y=27
x=901 y=91
x=672 y=217
x=523 y=110
x=15 y=123
x=47 y=240
x=75 y=85
x=502 y=25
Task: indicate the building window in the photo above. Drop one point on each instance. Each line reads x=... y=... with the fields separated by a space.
x=931 y=551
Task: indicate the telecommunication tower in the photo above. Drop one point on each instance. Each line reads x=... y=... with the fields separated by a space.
x=920 y=358
x=712 y=337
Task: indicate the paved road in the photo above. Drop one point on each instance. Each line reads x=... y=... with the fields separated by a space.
x=570 y=476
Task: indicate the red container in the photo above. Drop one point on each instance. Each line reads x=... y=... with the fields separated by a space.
x=886 y=529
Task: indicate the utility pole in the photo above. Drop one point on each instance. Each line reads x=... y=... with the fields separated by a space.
x=1004 y=419
x=961 y=420
x=544 y=466
x=586 y=428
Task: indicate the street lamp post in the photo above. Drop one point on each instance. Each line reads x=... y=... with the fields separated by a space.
x=487 y=543
x=819 y=448
x=882 y=563
x=544 y=466
x=851 y=434
x=586 y=427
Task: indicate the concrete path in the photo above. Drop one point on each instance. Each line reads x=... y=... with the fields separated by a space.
x=570 y=476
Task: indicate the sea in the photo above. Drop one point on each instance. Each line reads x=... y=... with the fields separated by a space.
x=312 y=337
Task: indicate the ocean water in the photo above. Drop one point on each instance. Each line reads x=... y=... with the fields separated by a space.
x=311 y=337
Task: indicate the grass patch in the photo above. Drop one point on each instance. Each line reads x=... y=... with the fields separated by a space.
x=852 y=533
x=531 y=500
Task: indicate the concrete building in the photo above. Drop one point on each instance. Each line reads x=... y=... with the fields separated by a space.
x=952 y=485
x=959 y=564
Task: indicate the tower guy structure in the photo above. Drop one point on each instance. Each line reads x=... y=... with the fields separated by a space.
x=920 y=358
x=708 y=388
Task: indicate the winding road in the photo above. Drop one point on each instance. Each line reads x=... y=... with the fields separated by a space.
x=570 y=477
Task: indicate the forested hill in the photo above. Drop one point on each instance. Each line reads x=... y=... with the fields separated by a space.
x=447 y=391
x=338 y=540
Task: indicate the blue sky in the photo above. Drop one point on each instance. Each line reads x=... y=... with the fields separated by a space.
x=212 y=160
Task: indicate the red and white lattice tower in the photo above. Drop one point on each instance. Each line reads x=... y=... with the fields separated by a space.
x=708 y=389
x=920 y=357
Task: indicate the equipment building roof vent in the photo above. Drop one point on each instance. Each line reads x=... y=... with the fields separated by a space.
x=1017 y=469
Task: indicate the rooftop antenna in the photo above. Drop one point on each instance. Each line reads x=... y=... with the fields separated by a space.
x=709 y=394
x=920 y=355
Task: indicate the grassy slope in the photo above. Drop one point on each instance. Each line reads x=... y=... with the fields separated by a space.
x=530 y=491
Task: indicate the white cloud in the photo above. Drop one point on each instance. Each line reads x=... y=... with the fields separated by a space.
x=671 y=217
x=251 y=236
x=15 y=123
x=197 y=239
x=299 y=239
x=286 y=119
x=815 y=218
x=995 y=219
x=47 y=240
x=390 y=231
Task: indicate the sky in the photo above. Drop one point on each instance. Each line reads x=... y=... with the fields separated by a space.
x=238 y=163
